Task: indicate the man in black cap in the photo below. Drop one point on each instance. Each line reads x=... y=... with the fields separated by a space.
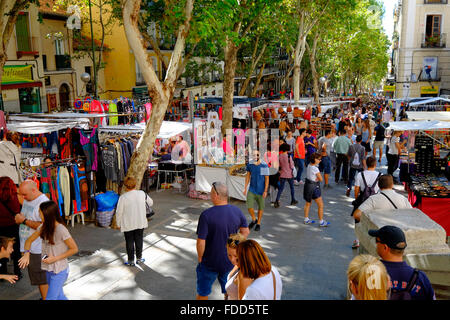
x=391 y=243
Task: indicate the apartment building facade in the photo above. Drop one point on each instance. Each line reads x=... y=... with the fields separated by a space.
x=421 y=48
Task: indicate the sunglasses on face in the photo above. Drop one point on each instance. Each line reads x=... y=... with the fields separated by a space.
x=230 y=241
x=214 y=186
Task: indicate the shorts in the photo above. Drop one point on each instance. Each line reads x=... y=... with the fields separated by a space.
x=252 y=198
x=36 y=274
x=378 y=144
x=206 y=278
x=366 y=145
x=311 y=191
x=325 y=165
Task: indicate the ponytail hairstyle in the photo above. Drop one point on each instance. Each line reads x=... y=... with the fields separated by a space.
x=369 y=276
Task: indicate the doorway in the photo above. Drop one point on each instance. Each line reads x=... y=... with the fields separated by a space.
x=64 y=97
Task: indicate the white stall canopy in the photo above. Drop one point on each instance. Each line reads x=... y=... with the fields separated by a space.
x=428 y=101
x=429 y=115
x=418 y=125
x=168 y=128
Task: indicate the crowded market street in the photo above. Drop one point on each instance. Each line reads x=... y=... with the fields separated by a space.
x=236 y=151
x=312 y=261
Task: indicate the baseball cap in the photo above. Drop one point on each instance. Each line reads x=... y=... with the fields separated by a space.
x=392 y=236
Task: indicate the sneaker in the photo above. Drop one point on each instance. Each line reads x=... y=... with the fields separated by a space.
x=301 y=182
x=296 y=183
x=309 y=221
x=128 y=263
x=355 y=244
x=252 y=224
x=347 y=193
x=324 y=223
x=257 y=227
x=294 y=202
x=141 y=260
x=276 y=204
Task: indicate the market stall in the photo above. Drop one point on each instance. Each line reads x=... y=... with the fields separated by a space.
x=233 y=176
x=58 y=154
x=430 y=104
x=424 y=168
x=165 y=171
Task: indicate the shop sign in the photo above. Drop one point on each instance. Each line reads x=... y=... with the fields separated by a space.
x=17 y=74
x=429 y=90
x=389 y=88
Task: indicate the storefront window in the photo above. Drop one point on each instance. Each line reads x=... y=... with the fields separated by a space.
x=30 y=100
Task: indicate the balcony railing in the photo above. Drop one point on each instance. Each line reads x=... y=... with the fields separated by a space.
x=433 y=76
x=62 y=62
x=435 y=1
x=434 y=41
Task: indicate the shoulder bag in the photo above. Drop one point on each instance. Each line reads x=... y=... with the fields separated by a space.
x=149 y=211
x=274 y=286
x=389 y=200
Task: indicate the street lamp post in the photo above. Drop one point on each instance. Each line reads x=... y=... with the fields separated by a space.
x=85 y=77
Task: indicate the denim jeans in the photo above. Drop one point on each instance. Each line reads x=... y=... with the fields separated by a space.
x=352 y=175
x=291 y=185
x=55 y=284
x=341 y=161
x=300 y=164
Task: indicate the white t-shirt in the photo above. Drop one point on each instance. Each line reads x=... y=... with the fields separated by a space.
x=131 y=210
x=30 y=209
x=380 y=202
x=231 y=287
x=392 y=147
x=370 y=176
x=262 y=288
x=311 y=173
x=387 y=116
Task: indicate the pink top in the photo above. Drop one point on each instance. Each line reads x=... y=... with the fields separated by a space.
x=286 y=166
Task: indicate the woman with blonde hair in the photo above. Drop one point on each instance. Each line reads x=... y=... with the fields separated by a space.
x=255 y=265
x=367 y=278
x=236 y=284
x=132 y=220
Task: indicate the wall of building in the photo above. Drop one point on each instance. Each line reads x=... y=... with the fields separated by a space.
x=411 y=54
x=11 y=97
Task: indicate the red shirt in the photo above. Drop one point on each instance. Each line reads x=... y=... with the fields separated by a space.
x=300 y=144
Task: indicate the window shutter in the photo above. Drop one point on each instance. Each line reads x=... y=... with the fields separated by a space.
x=22 y=34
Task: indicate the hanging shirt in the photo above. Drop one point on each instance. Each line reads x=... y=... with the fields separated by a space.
x=112 y=109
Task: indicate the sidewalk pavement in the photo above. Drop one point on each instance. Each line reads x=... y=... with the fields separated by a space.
x=312 y=260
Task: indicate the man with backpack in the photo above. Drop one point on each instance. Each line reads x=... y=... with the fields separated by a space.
x=356 y=155
x=386 y=199
x=406 y=282
x=366 y=184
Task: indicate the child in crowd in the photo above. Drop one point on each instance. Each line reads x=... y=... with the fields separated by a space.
x=312 y=190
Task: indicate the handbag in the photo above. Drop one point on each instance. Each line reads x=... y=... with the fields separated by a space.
x=148 y=210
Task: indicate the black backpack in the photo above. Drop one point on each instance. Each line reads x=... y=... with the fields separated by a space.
x=368 y=191
x=405 y=294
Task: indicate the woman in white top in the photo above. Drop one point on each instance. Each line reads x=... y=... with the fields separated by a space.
x=393 y=154
x=236 y=285
x=311 y=190
x=387 y=116
x=255 y=265
x=132 y=220
x=57 y=246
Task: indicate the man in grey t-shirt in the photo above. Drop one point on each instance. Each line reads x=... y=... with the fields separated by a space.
x=357 y=161
x=29 y=220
